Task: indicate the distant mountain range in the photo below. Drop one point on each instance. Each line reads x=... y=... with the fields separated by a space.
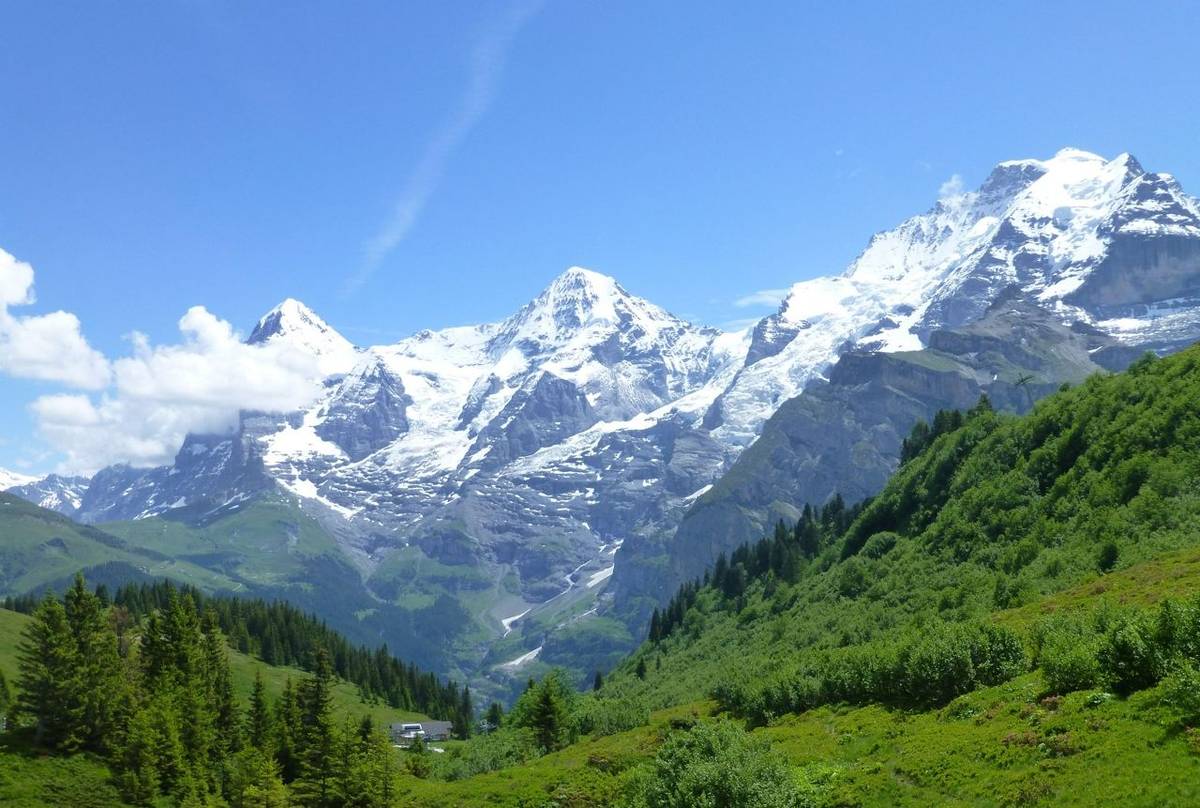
x=557 y=474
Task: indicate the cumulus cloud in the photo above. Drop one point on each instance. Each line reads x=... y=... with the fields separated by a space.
x=47 y=347
x=763 y=297
x=486 y=66
x=951 y=187
x=161 y=393
x=139 y=408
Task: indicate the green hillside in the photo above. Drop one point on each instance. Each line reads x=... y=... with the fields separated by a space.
x=40 y=547
x=990 y=629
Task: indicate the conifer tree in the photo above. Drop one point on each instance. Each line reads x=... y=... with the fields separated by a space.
x=258 y=717
x=97 y=680
x=287 y=727
x=6 y=699
x=549 y=716
x=314 y=786
x=47 y=661
x=219 y=684
x=495 y=715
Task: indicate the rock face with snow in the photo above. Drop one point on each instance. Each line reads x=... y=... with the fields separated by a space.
x=504 y=462
x=210 y=473
x=12 y=479
x=54 y=492
x=1089 y=252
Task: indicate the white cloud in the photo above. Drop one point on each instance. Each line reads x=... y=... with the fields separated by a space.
x=951 y=187
x=763 y=297
x=47 y=347
x=740 y=324
x=161 y=393
x=487 y=64
x=146 y=403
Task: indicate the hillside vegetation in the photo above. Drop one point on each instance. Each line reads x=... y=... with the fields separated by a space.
x=1009 y=622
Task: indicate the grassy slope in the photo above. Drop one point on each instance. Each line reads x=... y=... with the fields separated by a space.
x=1006 y=512
x=1002 y=746
x=263 y=543
x=39 y=546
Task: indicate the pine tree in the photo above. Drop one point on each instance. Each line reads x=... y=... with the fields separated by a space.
x=549 y=716
x=6 y=700
x=314 y=786
x=641 y=668
x=47 y=662
x=219 y=684
x=598 y=681
x=258 y=717
x=465 y=713
x=98 y=682
x=254 y=781
x=495 y=715
x=287 y=725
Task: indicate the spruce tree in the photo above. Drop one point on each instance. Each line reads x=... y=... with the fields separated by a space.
x=258 y=717
x=495 y=715
x=549 y=716
x=47 y=662
x=6 y=700
x=219 y=684
x=314 y=786
x=287 y=726
x=98 y=682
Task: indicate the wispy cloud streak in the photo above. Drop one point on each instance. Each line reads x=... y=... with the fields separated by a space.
x=763 y=297
x=487 y=63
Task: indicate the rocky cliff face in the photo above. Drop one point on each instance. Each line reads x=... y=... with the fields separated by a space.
x=844 y=434
x=210 y=473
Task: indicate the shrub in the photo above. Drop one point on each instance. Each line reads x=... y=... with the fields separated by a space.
x=1106 y=559
x=1181 y=690
x=609 y=716
x=1069 y=662
x=1129 y=656
x=718 y=765
x=880 y=544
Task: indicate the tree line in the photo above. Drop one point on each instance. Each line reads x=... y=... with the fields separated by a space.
x=782 y=555
x=280 y=634
x=155 y=699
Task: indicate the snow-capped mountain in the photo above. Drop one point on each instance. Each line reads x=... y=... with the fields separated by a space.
x=518 y=455
x=1101 y=242
x=12 y=479
x=54 y=492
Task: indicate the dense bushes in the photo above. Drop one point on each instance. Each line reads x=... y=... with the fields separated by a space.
x=923 y=668
x=1122 y=650
x=716 y=764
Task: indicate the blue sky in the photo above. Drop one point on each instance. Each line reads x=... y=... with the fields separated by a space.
x=400 y=166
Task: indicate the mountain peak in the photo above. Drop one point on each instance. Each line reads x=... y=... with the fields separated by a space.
x=295 y=324
x=12 y=479
x=575 y=299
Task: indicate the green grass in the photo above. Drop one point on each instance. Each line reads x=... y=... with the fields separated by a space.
x=29 y=780
x=11 y=626
x=1002 y=746
x=39 y=547
x=264 y=542
x=346 y=701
